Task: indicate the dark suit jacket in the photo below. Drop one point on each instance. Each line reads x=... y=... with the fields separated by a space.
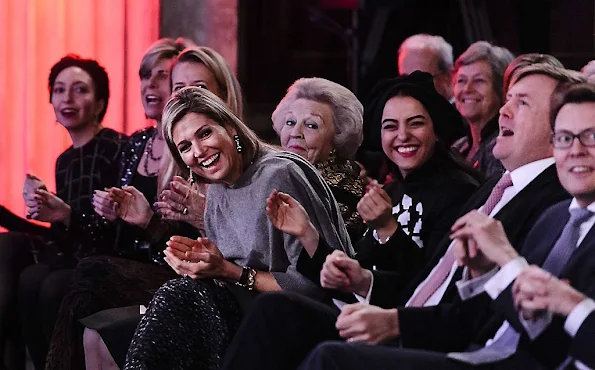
x=583 y=344
x=517 y=217
x=455 y=327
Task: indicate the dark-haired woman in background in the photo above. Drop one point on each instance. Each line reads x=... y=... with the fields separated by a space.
x=79 y=93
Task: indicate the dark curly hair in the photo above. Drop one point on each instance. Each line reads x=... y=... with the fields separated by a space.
x=94 y=69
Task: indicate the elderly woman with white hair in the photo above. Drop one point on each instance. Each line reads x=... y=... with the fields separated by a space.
x=322 y=121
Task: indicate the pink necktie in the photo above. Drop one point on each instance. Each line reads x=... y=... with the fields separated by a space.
x=444 y=266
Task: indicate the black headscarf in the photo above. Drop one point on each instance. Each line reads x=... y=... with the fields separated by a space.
x=448 y=123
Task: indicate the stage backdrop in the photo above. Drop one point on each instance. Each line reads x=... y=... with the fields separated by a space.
x=34 y=34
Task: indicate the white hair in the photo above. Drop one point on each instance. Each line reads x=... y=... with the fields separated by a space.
x=347 y=111
x=432 y=42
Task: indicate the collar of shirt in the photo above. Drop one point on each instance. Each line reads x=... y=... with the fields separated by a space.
x=523 y=175
x=587 y=225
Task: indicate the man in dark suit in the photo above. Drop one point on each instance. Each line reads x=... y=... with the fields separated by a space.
x=525 y=136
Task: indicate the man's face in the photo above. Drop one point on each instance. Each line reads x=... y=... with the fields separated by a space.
x=426 y=60
x=576 y=164
x=525 y=130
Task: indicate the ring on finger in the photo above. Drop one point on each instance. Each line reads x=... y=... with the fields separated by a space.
x=185 y=211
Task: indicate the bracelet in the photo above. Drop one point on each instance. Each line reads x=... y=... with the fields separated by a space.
x=248 y=278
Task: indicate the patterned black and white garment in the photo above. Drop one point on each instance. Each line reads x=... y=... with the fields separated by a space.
x=425 y=205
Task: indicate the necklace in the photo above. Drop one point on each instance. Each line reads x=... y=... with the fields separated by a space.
x=149 y=152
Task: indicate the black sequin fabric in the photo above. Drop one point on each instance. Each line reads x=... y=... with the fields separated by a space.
x=195 y=319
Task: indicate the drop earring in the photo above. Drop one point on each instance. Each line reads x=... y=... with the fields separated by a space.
x=239 y=148
x=191 y=177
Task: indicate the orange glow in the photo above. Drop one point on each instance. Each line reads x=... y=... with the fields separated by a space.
x=34 y=35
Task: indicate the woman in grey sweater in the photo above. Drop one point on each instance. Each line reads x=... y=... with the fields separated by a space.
x=191 y=320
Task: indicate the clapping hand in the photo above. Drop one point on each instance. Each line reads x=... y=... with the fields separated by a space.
x=288 y=215
x=345 y=274
x=48 y=208
x=375 y=208
x=132 y=206
x=182 y=202
x=197 y=259
x=105 y=205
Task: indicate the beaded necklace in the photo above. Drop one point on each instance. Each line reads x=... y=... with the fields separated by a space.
x=149 y=152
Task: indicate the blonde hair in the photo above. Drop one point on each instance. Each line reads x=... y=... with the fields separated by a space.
x=227 y=84
x=347 y=111
x=226 y=81
x=165 y=48
x=193 y=99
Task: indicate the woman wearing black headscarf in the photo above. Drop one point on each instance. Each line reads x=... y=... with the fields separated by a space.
x=414 y=127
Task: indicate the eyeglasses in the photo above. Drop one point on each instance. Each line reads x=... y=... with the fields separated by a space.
x=564 y=139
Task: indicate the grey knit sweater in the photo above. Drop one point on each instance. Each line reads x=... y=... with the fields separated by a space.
x=236 y=220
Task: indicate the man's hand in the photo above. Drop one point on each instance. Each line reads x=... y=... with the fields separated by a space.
x=481 y=243
x=345 y=274
x=360 y=322
x=536 y=290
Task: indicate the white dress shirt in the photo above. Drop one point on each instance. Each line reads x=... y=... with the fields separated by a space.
x=509 y=272
x=521 y=177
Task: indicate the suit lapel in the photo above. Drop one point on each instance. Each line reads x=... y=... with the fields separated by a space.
x=583 y=252
x=547 y=238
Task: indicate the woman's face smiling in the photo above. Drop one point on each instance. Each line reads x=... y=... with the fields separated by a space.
x=309 y=130
x=73 y=99
x=207 y=148
x=408 y=137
